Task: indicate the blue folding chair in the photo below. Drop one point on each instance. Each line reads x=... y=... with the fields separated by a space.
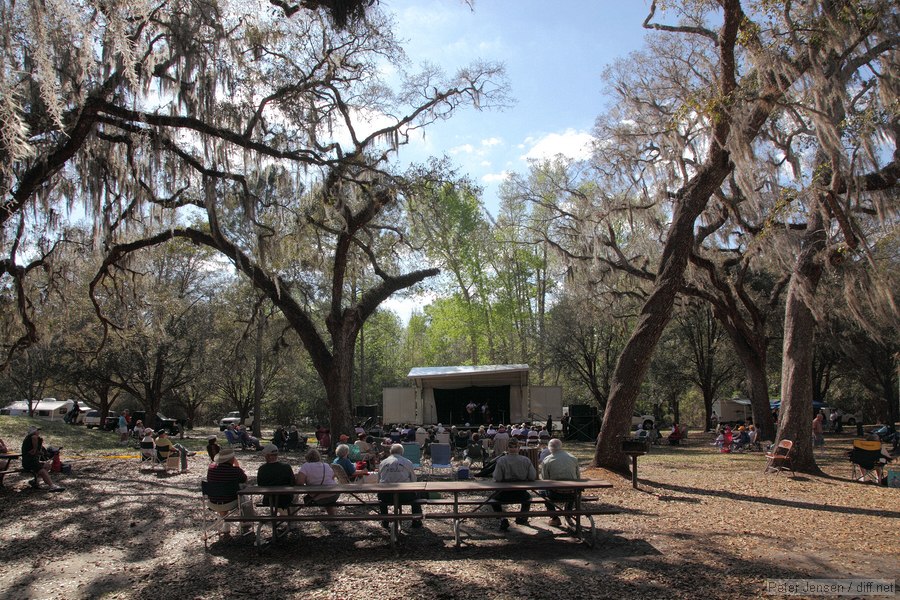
x=413 y=452
x=440 y=457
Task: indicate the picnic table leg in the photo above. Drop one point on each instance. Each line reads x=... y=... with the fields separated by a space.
x=456 y=521
x=634 y=479
x=395 y=524
x=577 y=517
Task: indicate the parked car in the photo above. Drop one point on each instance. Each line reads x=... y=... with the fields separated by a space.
x=646 y=420
x=233 y=418
x=92 y=419
x=172 y=426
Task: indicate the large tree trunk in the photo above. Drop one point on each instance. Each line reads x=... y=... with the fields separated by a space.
x=753 y=357
x=795 y=416
x=655 y=314
x=690 y=201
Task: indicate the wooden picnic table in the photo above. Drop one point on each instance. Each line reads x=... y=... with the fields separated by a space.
x=5 y=470
x=484 y=488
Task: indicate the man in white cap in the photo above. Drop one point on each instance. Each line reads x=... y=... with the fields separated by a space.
x=275 y=473
x=32 y=446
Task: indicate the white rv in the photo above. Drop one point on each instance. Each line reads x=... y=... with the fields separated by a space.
x=50 y=409
x=733 y=410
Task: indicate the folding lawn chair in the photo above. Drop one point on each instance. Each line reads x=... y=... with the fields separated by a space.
x=779 y=459
x=440 y=457
x=866 y=457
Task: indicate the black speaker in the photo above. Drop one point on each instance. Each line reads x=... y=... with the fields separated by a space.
x=582 y=410
x=583 y=428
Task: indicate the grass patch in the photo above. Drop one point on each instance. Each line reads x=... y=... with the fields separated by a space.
x=74 y=439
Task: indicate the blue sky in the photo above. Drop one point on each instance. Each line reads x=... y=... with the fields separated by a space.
x=555 y=54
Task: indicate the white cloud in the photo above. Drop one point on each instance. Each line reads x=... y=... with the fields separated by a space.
x=485 y=163
x=463 y=149
x=495 y=177
x=570 y=143
x=494 y=141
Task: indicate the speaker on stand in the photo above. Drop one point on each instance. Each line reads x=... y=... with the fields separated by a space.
x=583 y=423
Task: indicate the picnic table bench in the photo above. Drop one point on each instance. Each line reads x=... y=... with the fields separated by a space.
x=461 y=509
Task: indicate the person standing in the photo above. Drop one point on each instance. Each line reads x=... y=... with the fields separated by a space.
x=396 y=468
x=564 y=421
x=559 y=465
x=512 y=466
x=32 y=451
x=818 y=431
x=123 y=427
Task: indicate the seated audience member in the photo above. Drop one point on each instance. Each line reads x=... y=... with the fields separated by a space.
x=754 y=438
x=212 y=447
x=246 y=438
x=233 y=437
x=361 y=443
x=675 y=436
x=316 y=472
x=512 y=466
x=883 y=460
x=148 y=443
x=275 y=473
x=743 y=438
x=32 y=455
x=293 y=440
x=501 y=440
x=559 y=465
x=727 y=439
x=342 y=452
x=396 y=468
x=475 y=449
x=165 y=447
x=279 y=437
x=225 y=469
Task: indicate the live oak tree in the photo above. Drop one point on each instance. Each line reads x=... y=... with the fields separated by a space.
x=839 y=133
x=66 y=67
x=751 y=67
x=290 y=173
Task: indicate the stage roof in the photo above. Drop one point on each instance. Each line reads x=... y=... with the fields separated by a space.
x=478 y=375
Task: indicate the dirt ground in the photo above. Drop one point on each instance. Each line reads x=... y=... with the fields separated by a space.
x=701 y=525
